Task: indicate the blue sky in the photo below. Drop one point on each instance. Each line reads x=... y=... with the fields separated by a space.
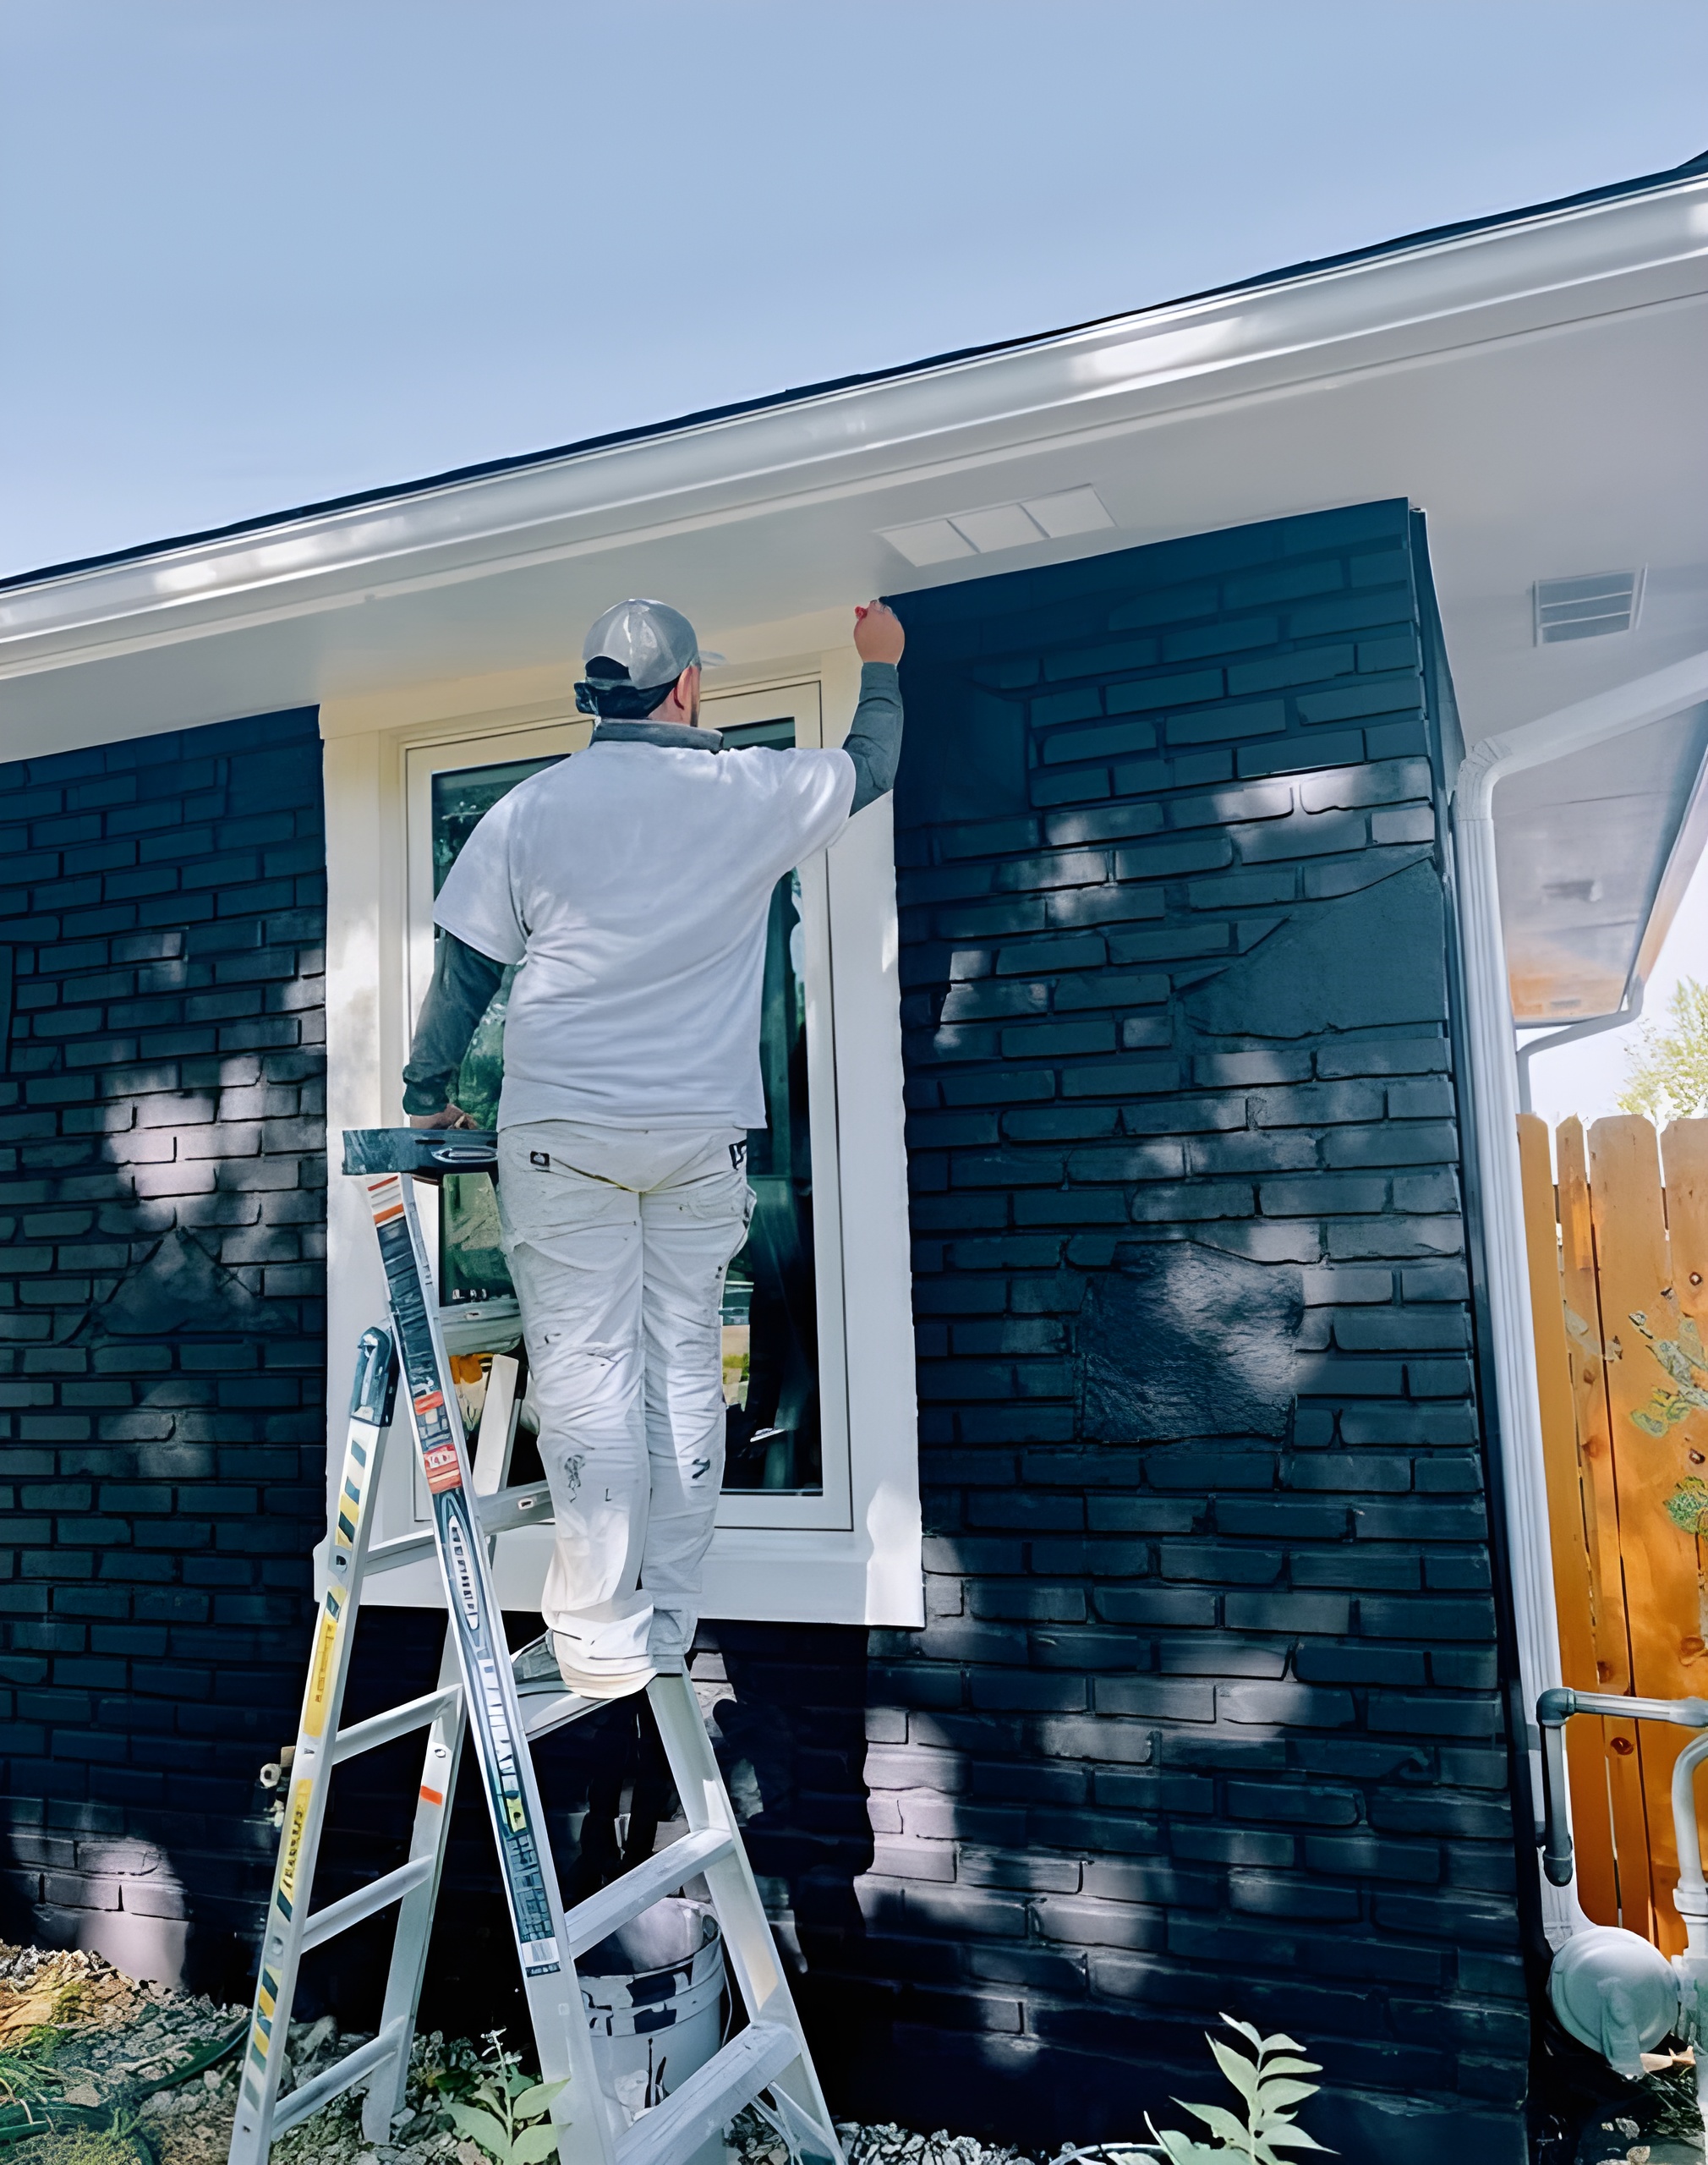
x=260 y=251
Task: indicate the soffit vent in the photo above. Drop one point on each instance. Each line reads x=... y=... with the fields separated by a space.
x=1588 y=607
x=996 y=526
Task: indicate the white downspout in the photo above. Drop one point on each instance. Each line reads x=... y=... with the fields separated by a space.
x=1494 y=1115
x=1592 y=1026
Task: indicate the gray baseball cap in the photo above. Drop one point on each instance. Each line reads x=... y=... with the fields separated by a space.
x=651 y=642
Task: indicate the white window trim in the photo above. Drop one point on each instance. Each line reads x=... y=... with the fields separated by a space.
x=865 y=1569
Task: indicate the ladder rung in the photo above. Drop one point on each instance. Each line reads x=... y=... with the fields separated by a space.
x=710 y=2097
x=394 y=1721
x=530 y=1505
x=302 y=2103
x=641 y=1886
x=390 y=1555
x=338 y=1916
x=541 y=1716
x=506 y=1509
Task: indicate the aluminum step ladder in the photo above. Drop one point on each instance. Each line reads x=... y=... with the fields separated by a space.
x=475 y=1699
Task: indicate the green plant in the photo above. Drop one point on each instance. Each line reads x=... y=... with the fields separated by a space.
x=1667 y=1071
x=1684 y=1359
x=1268 y=2084
x=504 y=2112
x=86 y=2146
x=26 y=2067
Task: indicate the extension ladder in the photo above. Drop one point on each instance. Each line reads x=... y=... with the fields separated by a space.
x=476 y=1698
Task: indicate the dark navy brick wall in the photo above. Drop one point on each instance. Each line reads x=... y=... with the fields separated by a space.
x=1207 y=1713
x=161 y=1215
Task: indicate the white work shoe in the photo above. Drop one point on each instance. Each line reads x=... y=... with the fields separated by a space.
x=547 y=1701
x=547 y=1668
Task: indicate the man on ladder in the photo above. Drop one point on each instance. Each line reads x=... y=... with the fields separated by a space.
x=631 y=884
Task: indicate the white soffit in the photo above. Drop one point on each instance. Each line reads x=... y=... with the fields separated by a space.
x=1088 y=399
x=1584 y=845
x=997 y=527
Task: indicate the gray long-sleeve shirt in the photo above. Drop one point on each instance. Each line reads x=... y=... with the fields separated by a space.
x=464 y=980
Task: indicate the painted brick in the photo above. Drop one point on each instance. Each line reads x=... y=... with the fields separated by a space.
x=1150 y=692
x=1100 y=661
x=1225 y=725
x=1103 y=823
x=1108 y=905
x=1310 y=835
x=1066 y=706
x=1225 y=638
x=1069 y=1698
x=1408 y=823
x=1294 y=755
x=1072 y=786
x=1103 y=743
x=1167 y=860
x=183 y=1692
x=1381 y=782
x=1381 y=696
x=1354 y=613
x=1286 y=583
x=1305 y=665
x=1111 y=989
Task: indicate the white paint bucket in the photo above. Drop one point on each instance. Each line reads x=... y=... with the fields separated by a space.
x=653 y=1994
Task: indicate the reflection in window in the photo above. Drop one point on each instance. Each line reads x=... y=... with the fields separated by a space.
x=770 y=1327
x=470 y=1261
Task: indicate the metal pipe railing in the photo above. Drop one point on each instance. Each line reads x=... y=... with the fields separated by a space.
x=1554 y=1709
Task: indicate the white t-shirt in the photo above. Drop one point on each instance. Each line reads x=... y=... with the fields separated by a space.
x=632 y=882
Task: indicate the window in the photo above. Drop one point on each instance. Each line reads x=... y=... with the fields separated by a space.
x=784 y=1326
x=820 y=1522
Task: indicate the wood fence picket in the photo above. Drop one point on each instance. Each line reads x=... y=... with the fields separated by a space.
x=1620 y=1296
x=1568 y=1520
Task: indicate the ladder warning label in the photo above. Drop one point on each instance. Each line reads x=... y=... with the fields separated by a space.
x=441 y=1467
x=481 y=1647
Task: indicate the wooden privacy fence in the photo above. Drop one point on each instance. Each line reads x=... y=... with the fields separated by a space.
x=1619 y=1266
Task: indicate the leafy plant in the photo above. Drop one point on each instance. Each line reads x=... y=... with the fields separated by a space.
x=1684 y=1358
x=26 y=2067
x=1688 y=1505
x=86 y=2146
x=1268 y=2085
x=1667 y=1071
x=504 y=2111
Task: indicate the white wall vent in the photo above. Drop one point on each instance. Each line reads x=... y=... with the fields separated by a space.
x=1587 y=608
x=995 y=527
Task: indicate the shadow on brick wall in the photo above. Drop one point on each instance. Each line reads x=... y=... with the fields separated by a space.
x=161 y=1377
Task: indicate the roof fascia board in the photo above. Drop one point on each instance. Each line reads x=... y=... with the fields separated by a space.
x=1402 y=243
x=1134 y=371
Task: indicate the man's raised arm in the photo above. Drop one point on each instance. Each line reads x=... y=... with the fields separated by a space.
x=874 y=741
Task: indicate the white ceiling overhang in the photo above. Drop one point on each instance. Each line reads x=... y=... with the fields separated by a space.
x=1536 y=386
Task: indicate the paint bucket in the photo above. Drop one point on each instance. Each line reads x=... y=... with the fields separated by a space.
x=653 y=1992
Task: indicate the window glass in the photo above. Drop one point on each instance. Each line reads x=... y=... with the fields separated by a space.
x=770 y=1296
x=471 y=1262
x=770 y=1336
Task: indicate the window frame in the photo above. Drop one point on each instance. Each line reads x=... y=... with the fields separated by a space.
x=866 y=1568
x=832 y=1508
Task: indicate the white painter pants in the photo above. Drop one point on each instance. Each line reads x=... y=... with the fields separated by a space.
x=618 y=1240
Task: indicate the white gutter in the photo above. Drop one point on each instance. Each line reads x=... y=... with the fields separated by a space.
x=1592 y=1026
x=1494 y=1103
x=1524 y=278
